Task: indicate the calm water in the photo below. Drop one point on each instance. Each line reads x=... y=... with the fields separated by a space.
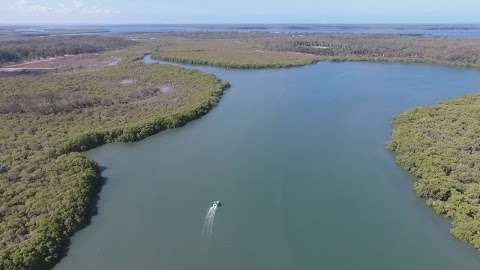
x=297 y=157
x=441 y=30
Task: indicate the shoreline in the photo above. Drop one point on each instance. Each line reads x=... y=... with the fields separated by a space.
x=75 y=148
x=232 y=66
x=436 y=204
x=72 y=147
x=93 y=140
x=84 y=174
x=447 y=180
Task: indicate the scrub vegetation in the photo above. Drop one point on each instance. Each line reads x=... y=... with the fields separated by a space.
x=389 y=48
x=263 y=49
x=226 y=53
x=41 y=47
x=441 y=145
x=46 y=185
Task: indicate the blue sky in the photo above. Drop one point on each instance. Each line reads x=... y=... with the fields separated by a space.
x=243 y=11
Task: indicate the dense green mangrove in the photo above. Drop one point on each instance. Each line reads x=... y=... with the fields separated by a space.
x=46 y=185
x=227 y=53
x=441 y=146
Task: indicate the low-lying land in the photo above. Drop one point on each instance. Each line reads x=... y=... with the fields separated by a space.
x=46 y=186
x=227 y=53
x=22 y=49
x=221 y=49
x=349 y=47
x=63 y=63
x=441 y=145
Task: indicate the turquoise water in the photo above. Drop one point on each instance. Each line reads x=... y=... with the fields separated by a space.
x=297 y=157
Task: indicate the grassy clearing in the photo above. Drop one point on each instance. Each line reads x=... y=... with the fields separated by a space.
x=46 y=186
x=441 y=145
x=226 y=53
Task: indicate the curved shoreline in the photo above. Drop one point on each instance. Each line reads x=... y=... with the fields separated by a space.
x=137 y=132
x=462 y=226
x=176 y=162
x=233 y=66
x=131 y=134
x=438 y=145
x=370 y=60
x=55 y=229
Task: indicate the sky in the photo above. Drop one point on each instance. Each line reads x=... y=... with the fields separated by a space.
x=243 y=11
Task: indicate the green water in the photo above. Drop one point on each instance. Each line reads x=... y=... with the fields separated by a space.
x=297 y=157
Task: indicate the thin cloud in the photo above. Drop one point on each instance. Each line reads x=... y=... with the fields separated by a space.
x=77 y=4
x=59 y=8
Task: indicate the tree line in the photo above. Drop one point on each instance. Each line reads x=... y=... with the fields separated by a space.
x=42 y=47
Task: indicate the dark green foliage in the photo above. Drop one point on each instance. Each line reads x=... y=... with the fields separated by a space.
x=441 y=145
x=75 y=180
x=232 y=65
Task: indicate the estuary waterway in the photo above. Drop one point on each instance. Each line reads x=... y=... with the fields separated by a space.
x=297 y=158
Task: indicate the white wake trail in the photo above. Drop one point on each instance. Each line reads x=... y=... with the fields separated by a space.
x=207 y=230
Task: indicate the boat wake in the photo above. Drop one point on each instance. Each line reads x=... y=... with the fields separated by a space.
x=207 y=230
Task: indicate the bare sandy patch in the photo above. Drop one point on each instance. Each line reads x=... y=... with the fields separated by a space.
x=166 y=88
x=83 y=61
x=115 y=62
x=128 y=81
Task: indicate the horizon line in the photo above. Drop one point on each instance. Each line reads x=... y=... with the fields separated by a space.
x=235 y=23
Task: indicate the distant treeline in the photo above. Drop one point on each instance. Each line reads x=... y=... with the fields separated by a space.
x=41 y=47
x=344 y=47
x=359 y=47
